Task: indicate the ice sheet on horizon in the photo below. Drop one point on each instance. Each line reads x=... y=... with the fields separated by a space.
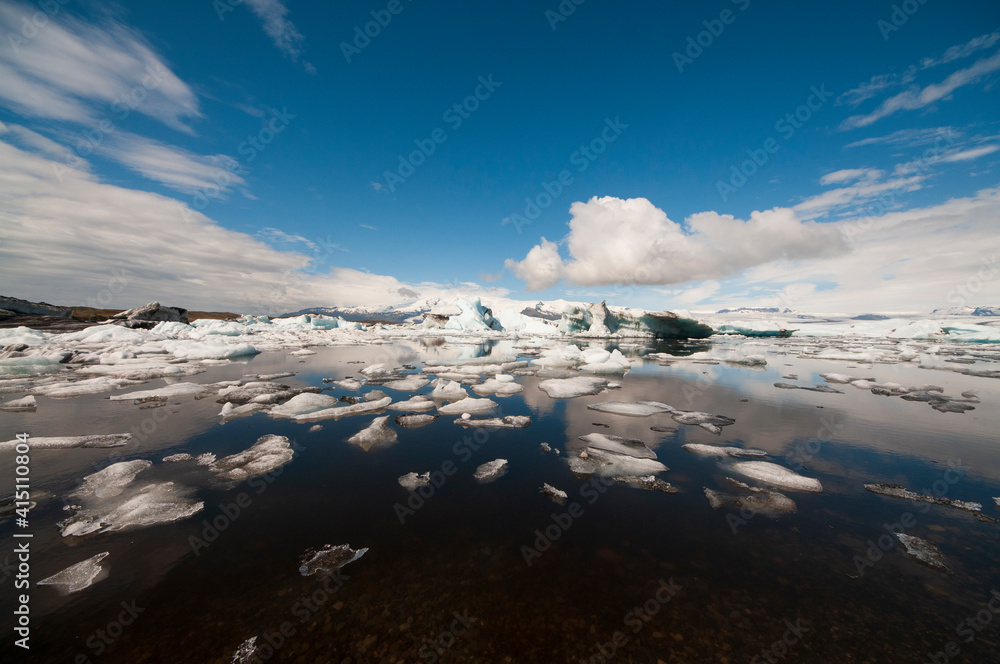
x=79 y=576
x=779 y=476
x=329 y=559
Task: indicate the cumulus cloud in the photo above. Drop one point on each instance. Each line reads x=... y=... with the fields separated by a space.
x=72 y=238
x=612 y=240
x=75 y=71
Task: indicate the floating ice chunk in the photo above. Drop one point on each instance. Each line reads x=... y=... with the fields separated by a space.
x=206 y=459
x=779 y=476
x=499 y=387
x=149 y=505
x=997 y=501
x=609 y=464
x=618 y=445
x=721 y=451
x=302 y=352
x=230 y=411
x=304 y=403
x=377 y=371
x=578 y=386
x=246 y=652
x=448 y=389
x=473 y=318
x=164 y=393
x=491 y=470
x=762 y=501
x=467 y=405
x=411 y=481
x=81 y=387
x=707 y=421
x=344 y=411
x=373 y=395
x=632 y=409
x=269 y=452
x=112 y=480
x=554 y=494
x=818 y=388
x=922 y=550
x=614 y=363
x=646 y=482
x=204 y=350
x=545 y=447
x=329 y=559
x=349 y=384
x=897 y=491
x=410 y=383
x=176 y=458
x=14 y=405
x=417 y=403
x=256 y=391
x=377 y=433
x=316 y=427
x=65 y=442
x=664 y=429
x=79 y=576
x=415 y=420
x=505 y=422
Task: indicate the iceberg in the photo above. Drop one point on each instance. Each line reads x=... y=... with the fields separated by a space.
x=647 y=483
x=329 y=559
x=448 y=390
x=722 y=451
x=417 y=402
x=79 y=576
x=304 y=403
x=611 y=464
x=149 y=505
x=502 y=385
x=415 y=420
x=410 y=383
x=779 y=476
x=596 y=320
x=344 y=411
x=578 y=386
x=474 y=317
x=268 y=453
x=618 y=445
x=112 y=480
x=67 y=442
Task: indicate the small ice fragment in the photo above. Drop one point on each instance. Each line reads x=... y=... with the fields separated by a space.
x=722 y=451
x=554 y=494
x=377 y=433
x=697 y=418
x=505 y=422
x=329 y=559
x=618 y=445
x=779 y=476
x=302 y=352
x=897 y=491
x=269 y=452
x=414 y=420
x=349 y=384
x=112 y=480
x=646 y=482
x=374 y=395
x=206 y=459
x=632 y=409
x=79 y=576
x=545 y=447
x=150 y=505
x=316 y=427
x=411 y=481
x=175 y=458
x=246 y=652
x=302 y=404
x=14 y=405
x=578 y=386
x=664 y=429
x=466 y=416
x=410 y=383
x=448 y=389
x=467 y=405
x=818 y=388
x=343 y=411
x=491 y=470
x=54 y=443
x=417 y=403
x=922 y=550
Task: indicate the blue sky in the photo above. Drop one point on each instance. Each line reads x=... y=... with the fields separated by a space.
x=643 y=126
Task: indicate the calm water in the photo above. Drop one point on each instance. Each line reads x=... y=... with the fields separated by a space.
x=451 y=583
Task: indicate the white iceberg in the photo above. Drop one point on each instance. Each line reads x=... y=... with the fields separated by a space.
x=578 y=386
x=329 y=559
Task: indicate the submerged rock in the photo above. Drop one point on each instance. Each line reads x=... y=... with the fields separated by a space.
x=79 y=576
x=922 y=551
x=329 y=559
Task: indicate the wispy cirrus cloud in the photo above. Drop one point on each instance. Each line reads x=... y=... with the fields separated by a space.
x=77 y=71
x=274 y=15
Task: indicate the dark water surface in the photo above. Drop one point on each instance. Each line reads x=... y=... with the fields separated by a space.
x=634 y=576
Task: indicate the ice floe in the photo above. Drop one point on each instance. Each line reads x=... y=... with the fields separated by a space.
x=414 y=420
x=707 y=421
x=816 y=388
x=164 y=393
x=79 y=576
x=502 y=385
x=268 y=453
x=411 y=481
x=139 y=507
x=721 y=451
x=604 y=463
x=304 y=403
x=27 y=403
x=448 y=389
x=505 y=422
x=897 y=491
x=66 y=442
x=762 y=501
x=618 y=445
x=329 y=559
x=416 y=403
x=554 y=494
x=344 y=411
x=491 y=470
x=922 y=551
x=377 y=433
x=646 y=482
x=632 y=409
x=410 y=383
x=467 y=405
x=578 y=386
x=779 y=476
x=112 y=480
x=349 y=384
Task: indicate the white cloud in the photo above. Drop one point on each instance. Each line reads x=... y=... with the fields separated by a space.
x=39 y=143
x=856 y=194
x=84 y=73
x=74 y=240
x=277 y=26
x=849 y=175
x=973 y=153
x=917 y=98
x=276 y=235
x=911 y=138
x=616 y=241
